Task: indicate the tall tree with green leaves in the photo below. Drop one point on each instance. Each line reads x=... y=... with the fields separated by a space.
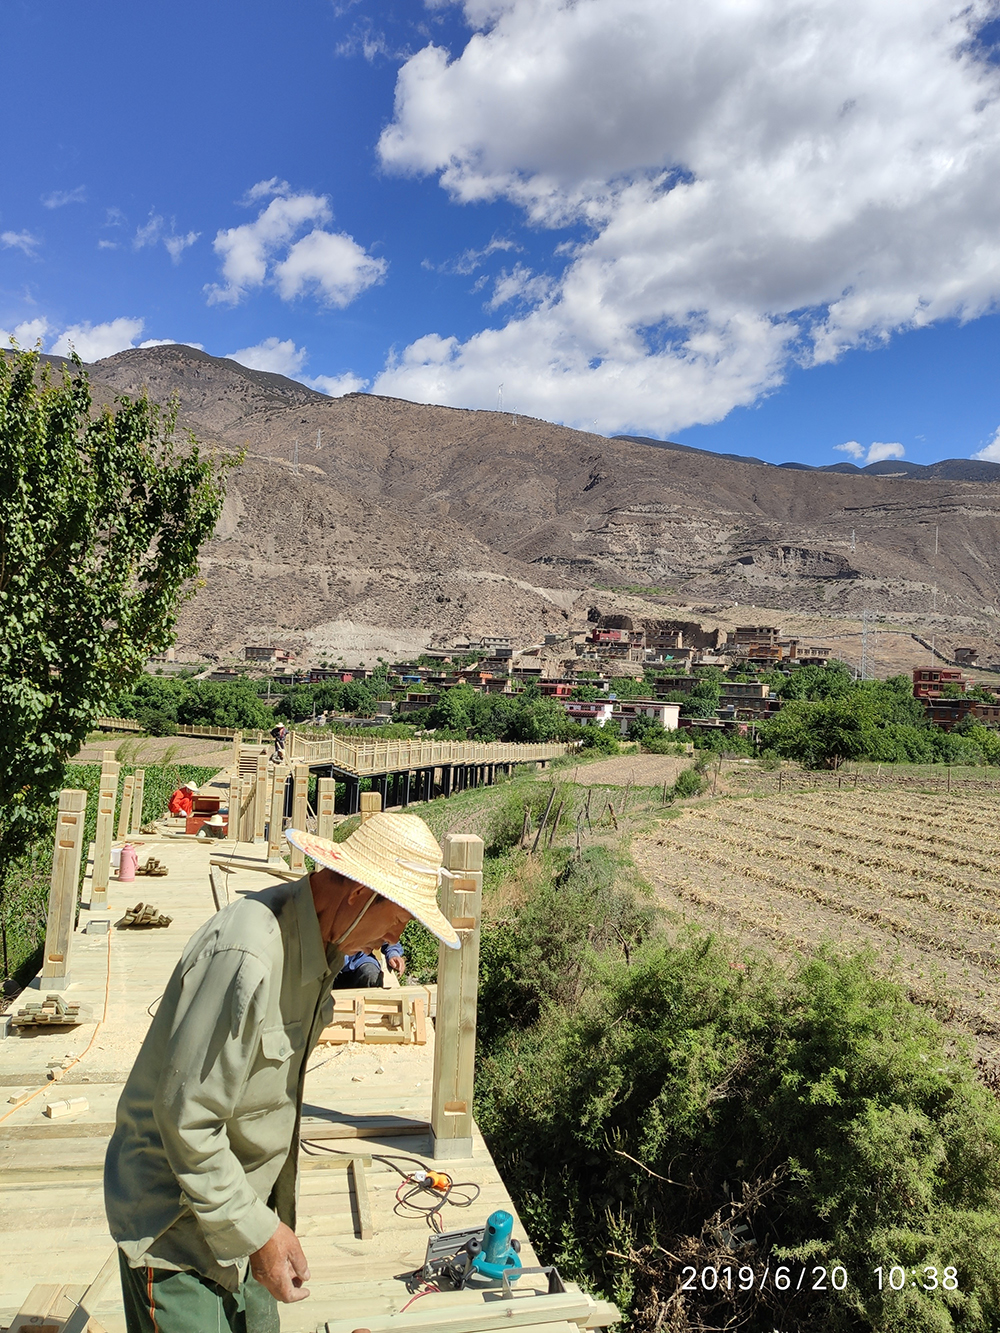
x=101 y=519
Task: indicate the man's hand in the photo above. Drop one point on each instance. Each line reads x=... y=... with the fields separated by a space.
x=281 y=1267
x=397 y=964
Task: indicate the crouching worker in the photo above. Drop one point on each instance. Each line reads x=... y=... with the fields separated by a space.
x=201 y=1171
x=182 y=800
x=364 y=969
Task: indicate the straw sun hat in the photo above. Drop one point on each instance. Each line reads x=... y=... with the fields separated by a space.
x=396 y=856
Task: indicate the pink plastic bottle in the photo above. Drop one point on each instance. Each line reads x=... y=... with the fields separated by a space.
x=129 y=861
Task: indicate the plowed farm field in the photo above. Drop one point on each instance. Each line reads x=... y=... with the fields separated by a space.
x=915 y=876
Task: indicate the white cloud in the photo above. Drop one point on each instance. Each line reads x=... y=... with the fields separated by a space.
x=277 y=356
x=751 y=185
x=851 y=447
x=877 y=451
x=153 y=231
x=332 y=264
x=170 y=342
x=107 y=245
x=26 y=334
x=335 y=386
x=336 y=266
x=59 y=198
x=282 y=357
x=263 y=189
x=176 y=245
x=93 y=342
x=20 y=240
x=148 y=234
x=991 y=454
x=520 y=285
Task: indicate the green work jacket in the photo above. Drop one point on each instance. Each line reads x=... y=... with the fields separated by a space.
x=203 y=1162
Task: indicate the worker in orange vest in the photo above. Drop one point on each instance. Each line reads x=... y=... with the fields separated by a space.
x=182 y=800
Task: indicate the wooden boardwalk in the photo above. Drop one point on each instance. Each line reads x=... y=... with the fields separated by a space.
x=52 y=1224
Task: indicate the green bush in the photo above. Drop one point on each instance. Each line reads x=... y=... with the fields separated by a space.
x=25 y=906
x=688 y=1111
x=689 y=783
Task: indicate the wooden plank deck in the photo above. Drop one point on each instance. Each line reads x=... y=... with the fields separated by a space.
x=52 y=1224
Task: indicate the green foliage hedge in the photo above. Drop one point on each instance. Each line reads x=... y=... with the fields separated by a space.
x=655 y=1104
x=25 y=904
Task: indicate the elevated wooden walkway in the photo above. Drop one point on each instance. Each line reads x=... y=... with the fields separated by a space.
x=367 y=1103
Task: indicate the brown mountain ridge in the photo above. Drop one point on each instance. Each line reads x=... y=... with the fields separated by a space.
x=403 y=523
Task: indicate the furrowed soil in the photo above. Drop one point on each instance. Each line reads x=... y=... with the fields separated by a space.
x=912 y=874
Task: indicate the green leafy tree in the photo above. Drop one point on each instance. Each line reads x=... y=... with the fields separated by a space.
x=101 y=520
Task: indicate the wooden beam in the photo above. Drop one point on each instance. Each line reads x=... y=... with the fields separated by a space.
x=107 y=795
x=325 y=796
x=276 y=824
x=138 y=788
x=260 y=811
x=125 y=813
x=458 y=986
x=300 y=800
x=371 y=804
x=479 y=1317
x=359 y=1188
x=62 y=893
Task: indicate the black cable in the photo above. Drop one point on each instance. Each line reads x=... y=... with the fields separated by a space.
x=441 y=1197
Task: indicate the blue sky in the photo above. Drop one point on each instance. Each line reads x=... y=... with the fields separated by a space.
x=770 y=229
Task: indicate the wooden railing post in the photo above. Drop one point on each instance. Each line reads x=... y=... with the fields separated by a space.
x=138 y=787
x=458 y=987
x=63 y=889
x=260 y=799
x=300 y=801
x=107 y=796
x=237 y=742
x=125 y=812
x=276 y=822
x=371 y=804
x=326 y=794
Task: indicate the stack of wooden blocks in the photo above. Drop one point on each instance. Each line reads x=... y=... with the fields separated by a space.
x=53 y=1011
x=375 y=1015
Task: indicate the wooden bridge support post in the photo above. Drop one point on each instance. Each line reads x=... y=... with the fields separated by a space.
x=125 y=813
x=458 y=986
x=300 y=804
x=326 y=796
x=383 y=789
x=371 y=804
x=276 y=819
x=107 y=796
x=446 y=779
x=406 y=788
x=63 y=889
x=260 y=810
x=138 y=792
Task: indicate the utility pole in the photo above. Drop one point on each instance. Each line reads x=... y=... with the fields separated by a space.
x=864 y=644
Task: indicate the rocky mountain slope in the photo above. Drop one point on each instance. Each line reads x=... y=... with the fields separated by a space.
x=402 y=522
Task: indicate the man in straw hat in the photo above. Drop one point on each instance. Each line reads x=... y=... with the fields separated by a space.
x=200 y=1174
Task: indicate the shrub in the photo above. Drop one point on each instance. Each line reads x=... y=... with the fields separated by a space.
x=686 y=1111
x=689 y=783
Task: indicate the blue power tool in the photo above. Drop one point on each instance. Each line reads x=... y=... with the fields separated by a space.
x=490 y=1251
x=498 y=1253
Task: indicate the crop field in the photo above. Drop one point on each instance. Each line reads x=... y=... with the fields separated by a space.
x=914 y=875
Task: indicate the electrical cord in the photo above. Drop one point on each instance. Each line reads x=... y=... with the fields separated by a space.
x=438 y=1186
